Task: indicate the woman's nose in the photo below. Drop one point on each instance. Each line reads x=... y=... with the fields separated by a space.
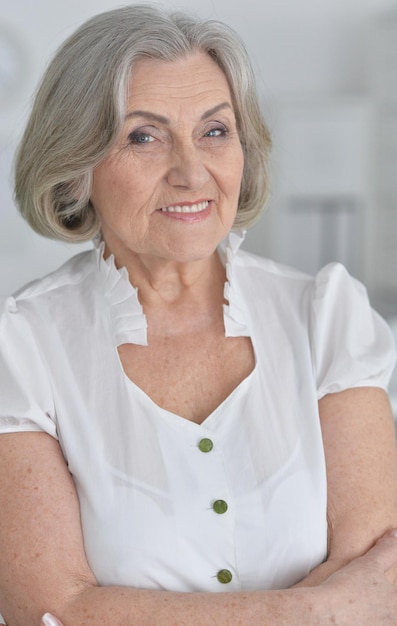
x=187 y=168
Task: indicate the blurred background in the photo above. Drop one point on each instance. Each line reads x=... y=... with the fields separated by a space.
x=327 y=74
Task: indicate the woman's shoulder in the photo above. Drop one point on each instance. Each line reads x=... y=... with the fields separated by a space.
x=72 y=272
x=38 y=297
x=331 y=291
x=246 y=260
x=264 y=278
x=328 y=277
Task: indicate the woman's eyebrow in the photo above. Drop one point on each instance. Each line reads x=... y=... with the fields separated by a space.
x=148 y=115
x=218 y=107
x=164 y=120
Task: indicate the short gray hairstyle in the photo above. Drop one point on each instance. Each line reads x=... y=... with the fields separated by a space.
x=80 y=107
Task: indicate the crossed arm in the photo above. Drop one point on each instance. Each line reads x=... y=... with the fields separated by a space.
x=43 y=565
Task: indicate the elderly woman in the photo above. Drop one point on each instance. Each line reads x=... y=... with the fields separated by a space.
x=191 y=434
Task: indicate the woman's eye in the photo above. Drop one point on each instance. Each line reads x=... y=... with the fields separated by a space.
x=139 y=138
x=216 y=132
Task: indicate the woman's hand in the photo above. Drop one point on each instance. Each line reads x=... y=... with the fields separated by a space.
x=364 y=591
x=50 y=620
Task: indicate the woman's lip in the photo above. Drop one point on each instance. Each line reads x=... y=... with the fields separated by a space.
x=188 y=216
x=186 y=208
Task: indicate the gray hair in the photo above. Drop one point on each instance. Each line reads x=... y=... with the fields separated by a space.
x=80 y=105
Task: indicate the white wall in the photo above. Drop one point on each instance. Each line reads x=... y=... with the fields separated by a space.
x=302 y=49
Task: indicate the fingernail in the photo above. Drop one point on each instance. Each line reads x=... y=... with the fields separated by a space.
x=50 y=620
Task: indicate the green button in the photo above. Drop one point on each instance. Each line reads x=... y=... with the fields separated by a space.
x=220 y=506
x=224 y=576
x=205 y=445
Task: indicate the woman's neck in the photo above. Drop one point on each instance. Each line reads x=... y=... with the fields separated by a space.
x=163 y=283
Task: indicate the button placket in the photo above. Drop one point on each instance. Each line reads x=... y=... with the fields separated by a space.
x=224 y=576
x=220 y=507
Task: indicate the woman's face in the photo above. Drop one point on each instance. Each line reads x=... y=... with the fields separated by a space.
x=169 y=188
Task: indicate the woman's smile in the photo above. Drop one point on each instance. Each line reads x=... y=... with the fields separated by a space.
x=196 y=207
x=188 y=213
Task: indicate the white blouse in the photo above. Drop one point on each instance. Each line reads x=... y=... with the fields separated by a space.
x=236 y=503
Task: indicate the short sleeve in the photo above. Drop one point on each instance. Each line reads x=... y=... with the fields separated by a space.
x=352 y=345
x=26 y=399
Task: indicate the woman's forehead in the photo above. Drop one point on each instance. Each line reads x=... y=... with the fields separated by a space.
x=196 y=77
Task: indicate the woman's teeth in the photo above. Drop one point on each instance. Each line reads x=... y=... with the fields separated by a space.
x=185 y=208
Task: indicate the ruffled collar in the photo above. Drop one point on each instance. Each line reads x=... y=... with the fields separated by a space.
x=127 y=319
x=233 y=314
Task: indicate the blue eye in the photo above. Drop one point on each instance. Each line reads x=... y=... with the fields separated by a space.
x=216 y=132
x=139 y=138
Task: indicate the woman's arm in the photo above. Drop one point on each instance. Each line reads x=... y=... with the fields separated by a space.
x=360 y=449
x=43 y=566
x=358 y=594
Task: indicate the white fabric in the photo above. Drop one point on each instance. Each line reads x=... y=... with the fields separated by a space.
x=146 y=490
